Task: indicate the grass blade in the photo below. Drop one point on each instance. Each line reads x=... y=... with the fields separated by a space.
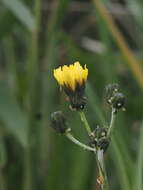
x=133 y=63
x=139 y=165
x=22 y=12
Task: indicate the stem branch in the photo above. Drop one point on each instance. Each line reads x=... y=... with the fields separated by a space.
x=113 y=116
x=75 y=141
x=84 y=120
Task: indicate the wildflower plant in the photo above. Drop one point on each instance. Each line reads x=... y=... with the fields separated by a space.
x=72 y=80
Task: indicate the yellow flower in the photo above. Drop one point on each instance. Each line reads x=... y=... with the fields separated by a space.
x=72 y=78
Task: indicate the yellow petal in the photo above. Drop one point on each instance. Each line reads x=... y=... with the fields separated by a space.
x=70 y=75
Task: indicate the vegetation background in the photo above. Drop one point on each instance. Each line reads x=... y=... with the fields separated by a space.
x=39 y=35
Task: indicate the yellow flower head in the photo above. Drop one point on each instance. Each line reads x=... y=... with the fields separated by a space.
x=71 y=76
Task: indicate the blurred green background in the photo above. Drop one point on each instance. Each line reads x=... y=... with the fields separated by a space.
x=39 y=35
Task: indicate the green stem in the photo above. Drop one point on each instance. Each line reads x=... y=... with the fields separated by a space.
x=32 y=75
x=102 y=170
x=99 y=155
x=27 y=184
x=84 y=120
x=111 y=126
x=75 y=141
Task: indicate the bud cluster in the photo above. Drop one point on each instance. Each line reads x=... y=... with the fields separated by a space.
x=99 y=138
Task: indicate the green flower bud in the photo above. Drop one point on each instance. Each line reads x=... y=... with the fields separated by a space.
x=118 y=101
x=114 y=97
x=110 y=91
x=58 y=122
x=103 y=144
x=99 y=138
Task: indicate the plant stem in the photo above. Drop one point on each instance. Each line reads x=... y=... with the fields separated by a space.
x=33 y=93
x=99 y=155
x=75 y=141
x=113 y=116
x=101 y=168
x=84 y=120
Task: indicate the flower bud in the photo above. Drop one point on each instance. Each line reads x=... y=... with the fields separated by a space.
x=114 y=97
x=58 y=122
x=110 y=90
x=99 y=139
x=103 y=144
x=118 y=101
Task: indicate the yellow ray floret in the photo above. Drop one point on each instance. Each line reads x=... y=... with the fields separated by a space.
x=71 y=75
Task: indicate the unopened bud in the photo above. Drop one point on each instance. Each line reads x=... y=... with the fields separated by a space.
x=118 y=101
x=114 y=97
x=99 y=139
x=58 y=122
x=103 y=144
x=110 y=90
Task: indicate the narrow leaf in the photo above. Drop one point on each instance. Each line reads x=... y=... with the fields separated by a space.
x=21 y=11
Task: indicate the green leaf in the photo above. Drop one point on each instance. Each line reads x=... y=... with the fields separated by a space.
x=11 y=114
x=21 y=11
x=139 y=163
x=3 y=155
x=7 y=23
x=118 y=159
